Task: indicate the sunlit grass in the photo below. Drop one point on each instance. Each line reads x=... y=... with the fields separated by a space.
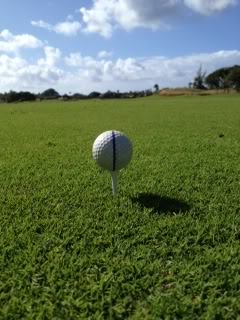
x=167 y=247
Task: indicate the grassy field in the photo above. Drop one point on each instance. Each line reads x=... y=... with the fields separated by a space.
x=167 y=247
x=193 y=92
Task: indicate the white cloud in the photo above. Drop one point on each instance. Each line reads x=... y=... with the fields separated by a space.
x=209 y=7
x=77 y=73
x=13 y=43
x=42 y=24
x=67 y=28
x=99 y=18
x=106 y=70
x=106 y=15
x=90 y=74
x=18 y=74
x=105 y=54
x=140 y=73
x=75 y=60
x=52 y=57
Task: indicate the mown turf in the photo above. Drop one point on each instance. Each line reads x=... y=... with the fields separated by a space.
x=168 y=247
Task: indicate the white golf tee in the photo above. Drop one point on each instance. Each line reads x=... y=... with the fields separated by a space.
x=114 y=175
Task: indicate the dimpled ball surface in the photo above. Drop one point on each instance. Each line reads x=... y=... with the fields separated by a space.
x=112 y=150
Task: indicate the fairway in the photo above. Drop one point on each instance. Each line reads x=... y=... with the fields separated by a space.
x=167 y=247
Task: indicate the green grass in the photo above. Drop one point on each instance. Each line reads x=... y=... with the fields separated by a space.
x=167 y=247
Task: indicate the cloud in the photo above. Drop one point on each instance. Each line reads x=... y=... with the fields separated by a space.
x=140 y=73
x=13 y=43
x=42 y=24
x=107 y=15
x=78 y=73
x=76 y=60
x=52 y=57
x=105 y=70
x=105 y=54
x=89 y=74
x=18 y=74
x=67 y=28
x=208 y=7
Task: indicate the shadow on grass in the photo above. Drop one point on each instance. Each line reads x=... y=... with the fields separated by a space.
x=161 y=205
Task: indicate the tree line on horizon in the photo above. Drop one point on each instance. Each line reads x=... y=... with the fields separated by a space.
x=52 y=94
x=224 y=78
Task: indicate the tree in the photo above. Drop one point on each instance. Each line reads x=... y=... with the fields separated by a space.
x=156 y=87
x=223 y=78
x=221 y=75
x=212 y=81
x=50 y=94
x=94 y=95
x=198 y=82
x=148 y=93
x=13 y=96
x=234 y=78
x=79 y=96
x=65 y=97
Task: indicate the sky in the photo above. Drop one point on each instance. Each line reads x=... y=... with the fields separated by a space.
x=99 y=45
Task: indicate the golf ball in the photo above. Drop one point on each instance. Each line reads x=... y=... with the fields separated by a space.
x=112 y=150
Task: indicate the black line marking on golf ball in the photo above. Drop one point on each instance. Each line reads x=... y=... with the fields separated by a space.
x=114 y=150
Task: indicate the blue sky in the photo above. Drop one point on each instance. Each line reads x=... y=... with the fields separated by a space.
x=87 y=45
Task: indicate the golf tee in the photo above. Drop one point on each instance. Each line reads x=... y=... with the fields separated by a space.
x=114 y=175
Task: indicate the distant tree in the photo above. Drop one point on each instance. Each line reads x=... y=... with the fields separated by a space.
x=234 y=78
x=213 y=81
x=190 y=84
x=94 y=95
x=79 y=96
x=222 y=78
x=65 y=97
x=26 y=96
x=50 y=94
x=156 y=87
x=217 y=79
x=198 y=82
x=112 y=95
x=13 y=96
x=108 y=95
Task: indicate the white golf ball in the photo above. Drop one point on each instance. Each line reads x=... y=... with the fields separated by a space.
x=112 y=150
